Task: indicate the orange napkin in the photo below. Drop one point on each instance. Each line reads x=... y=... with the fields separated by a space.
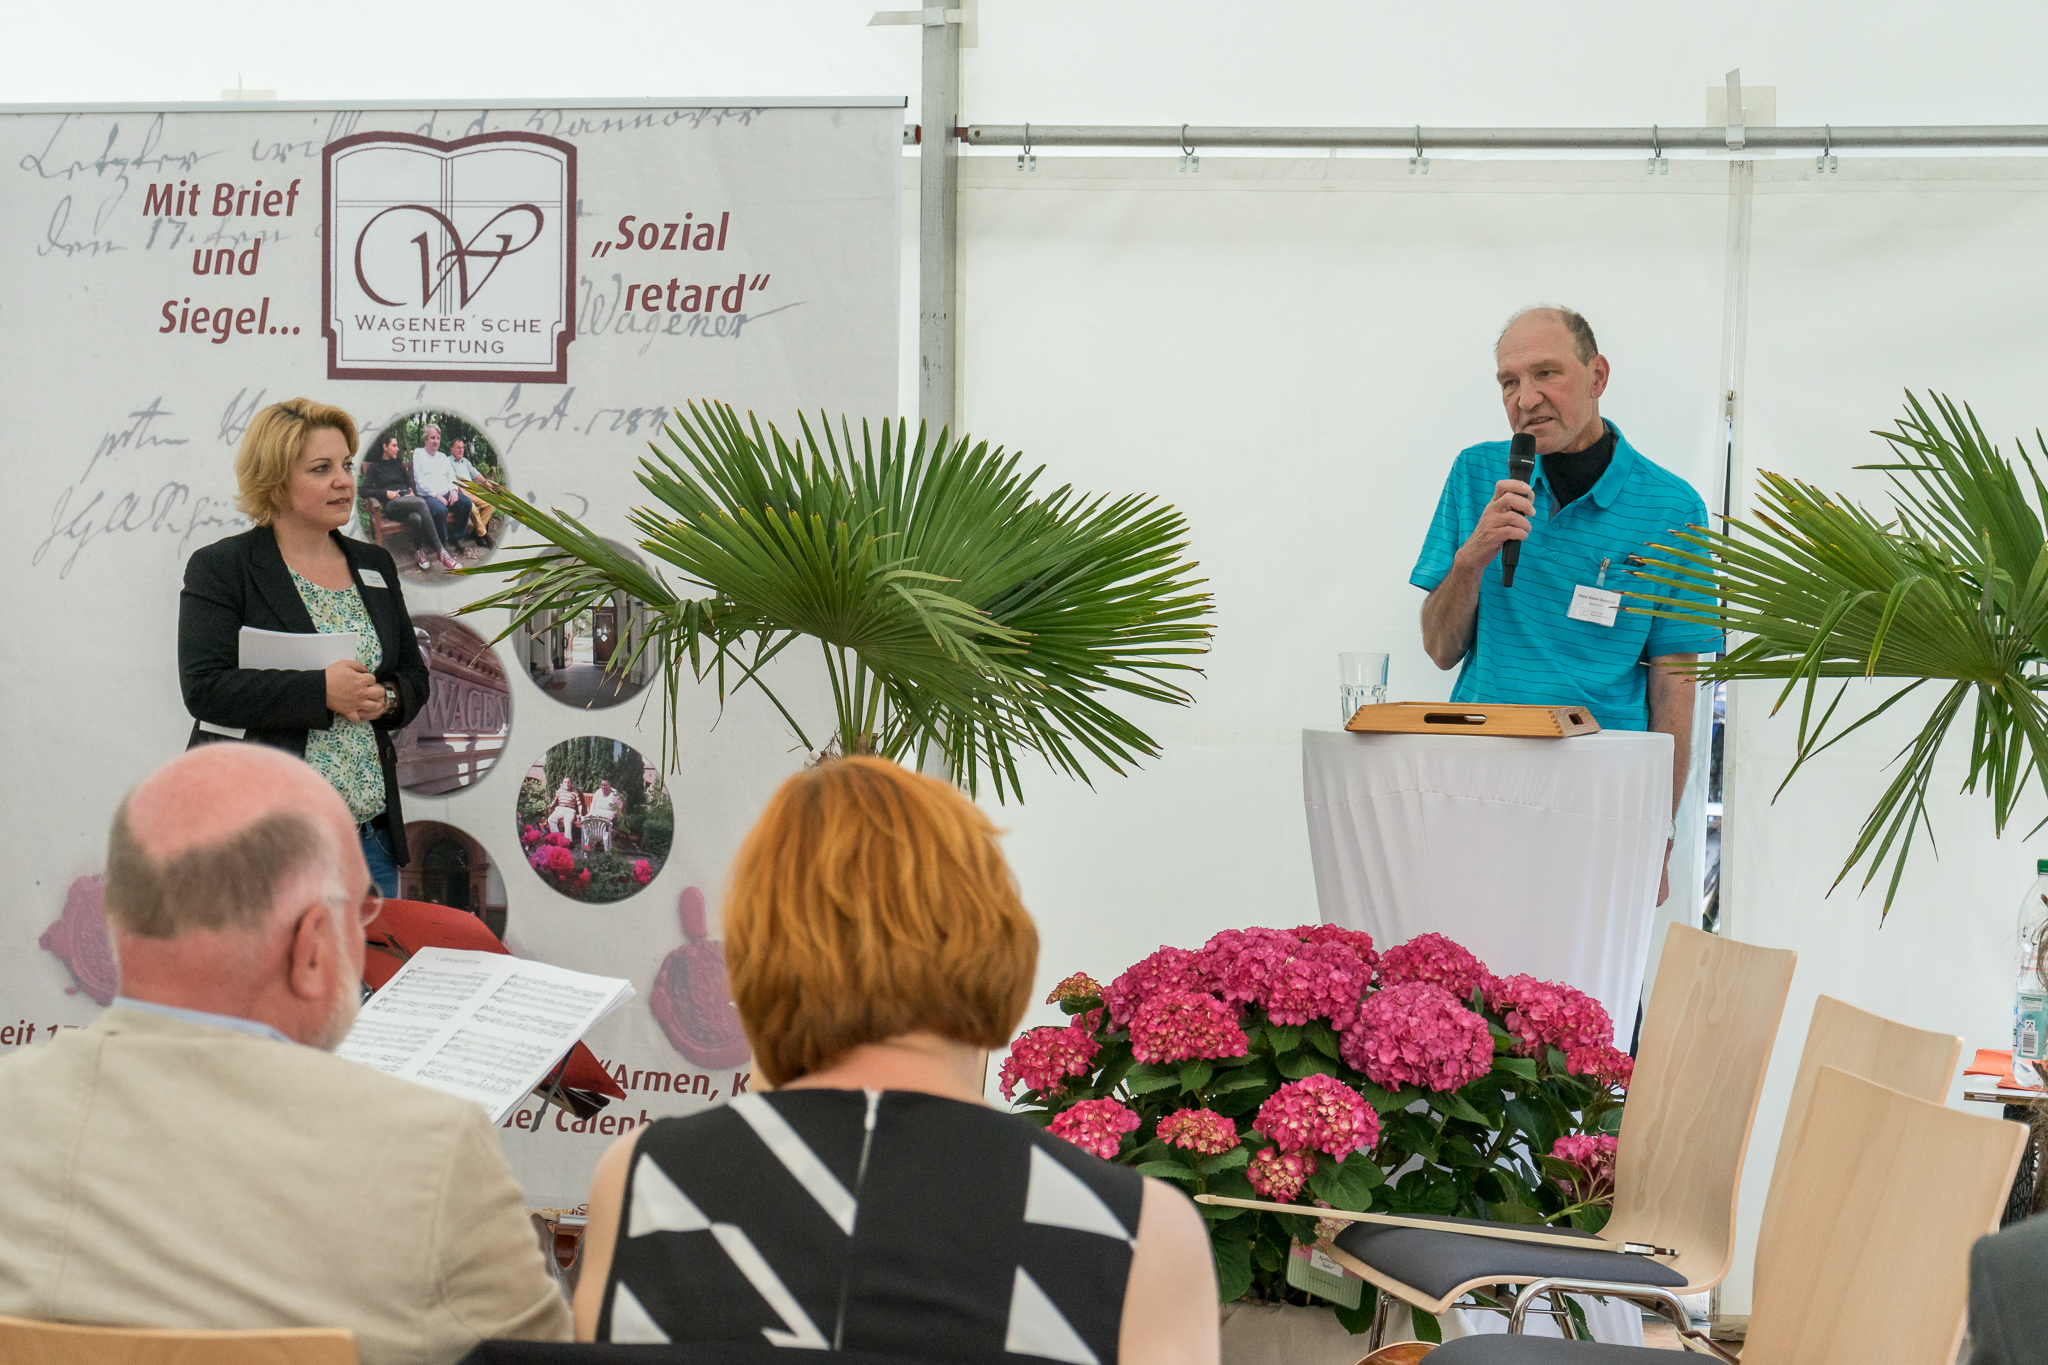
x=1996 y=1061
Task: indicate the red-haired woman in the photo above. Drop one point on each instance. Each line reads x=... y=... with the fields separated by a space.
x=874 y=1202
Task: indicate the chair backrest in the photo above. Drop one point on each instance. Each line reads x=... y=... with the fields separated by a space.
x=60 y=1343
x=1706 y=1040
x=1909 y=1060
x=1868 y=1254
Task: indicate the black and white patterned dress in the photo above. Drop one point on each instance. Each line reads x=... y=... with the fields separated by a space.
x=885 y=1221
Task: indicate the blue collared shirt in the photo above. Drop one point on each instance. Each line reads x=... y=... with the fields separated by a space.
x=228 y=1021
x=1524 y=647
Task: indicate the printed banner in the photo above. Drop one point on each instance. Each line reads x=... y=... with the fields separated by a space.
x=522 y=294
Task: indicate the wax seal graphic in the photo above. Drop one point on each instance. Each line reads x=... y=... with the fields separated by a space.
x=692 y=1000
x=80 y=938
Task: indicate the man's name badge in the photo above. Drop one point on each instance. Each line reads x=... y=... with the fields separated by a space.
x=1597 y=605
x=372 y=579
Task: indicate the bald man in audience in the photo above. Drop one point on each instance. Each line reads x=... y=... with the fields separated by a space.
x=195 y=1157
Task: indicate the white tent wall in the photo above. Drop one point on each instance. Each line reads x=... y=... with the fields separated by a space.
x=1893 y=273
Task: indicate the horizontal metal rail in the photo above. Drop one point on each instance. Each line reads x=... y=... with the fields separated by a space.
x=1192 y=137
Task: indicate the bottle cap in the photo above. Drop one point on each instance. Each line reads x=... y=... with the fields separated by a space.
x=2041 y=867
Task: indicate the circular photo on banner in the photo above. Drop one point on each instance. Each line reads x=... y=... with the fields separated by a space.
x=594 y=819
x=459 y=734
x=450 y=868
x=408 y=497
x=592 y=659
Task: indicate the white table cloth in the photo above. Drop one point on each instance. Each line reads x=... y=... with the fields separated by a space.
x=1539 y=855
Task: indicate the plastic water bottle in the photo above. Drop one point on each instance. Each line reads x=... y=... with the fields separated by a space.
x=2030 y=994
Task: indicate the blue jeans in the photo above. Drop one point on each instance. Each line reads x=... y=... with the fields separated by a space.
x=450 y=523
x=377 y=853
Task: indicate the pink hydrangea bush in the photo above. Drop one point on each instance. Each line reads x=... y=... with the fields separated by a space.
x=1202 y=1131
x=1318 y=1113
x=1096 y=1126
x=1437 y=960
x=1042 y=1059
x=1546 y=1014
x=1418 y=1034
x=1307 y=1064
x=1177 y=1026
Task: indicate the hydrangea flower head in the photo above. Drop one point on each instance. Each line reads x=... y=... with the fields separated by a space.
x=1593 y=1155
x=1548 y=1014
x=1179 y=1026
x=1418 y=1034
x=1280 y=1175
x=1079 y=986
x=1609 y=1065
x=1318 y=1113
x=1096 y=1126
x=1437 y=960
x=1041 y=1059
x=1293 y=978
x=1357 y=940
x=1198 y=1130
x=1169 y=969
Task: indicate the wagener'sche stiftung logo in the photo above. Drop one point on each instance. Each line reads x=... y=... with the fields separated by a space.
x=449 y=260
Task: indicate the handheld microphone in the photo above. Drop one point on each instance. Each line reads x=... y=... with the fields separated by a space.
x=1521 y=467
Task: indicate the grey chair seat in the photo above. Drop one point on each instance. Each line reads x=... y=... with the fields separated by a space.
x=1503 y=1350
x=1438 y=1262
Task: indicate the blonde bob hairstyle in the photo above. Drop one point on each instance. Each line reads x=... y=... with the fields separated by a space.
x=271 y=449
x=867 y=902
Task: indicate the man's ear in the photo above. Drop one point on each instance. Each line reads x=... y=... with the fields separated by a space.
x=1600 y=371
x=315 y=953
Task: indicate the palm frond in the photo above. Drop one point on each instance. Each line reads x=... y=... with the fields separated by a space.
x=1953 y=588
x=958 y=610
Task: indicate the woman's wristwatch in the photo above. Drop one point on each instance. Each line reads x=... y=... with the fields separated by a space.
x=390 y=701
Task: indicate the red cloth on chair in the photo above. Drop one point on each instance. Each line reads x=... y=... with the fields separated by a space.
x=413 y=925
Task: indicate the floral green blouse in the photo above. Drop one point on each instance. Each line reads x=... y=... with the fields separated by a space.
x=345 y=753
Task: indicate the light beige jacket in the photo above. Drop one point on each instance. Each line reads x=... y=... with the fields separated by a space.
x=159 y=1173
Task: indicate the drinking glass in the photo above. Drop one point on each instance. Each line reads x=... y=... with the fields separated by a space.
x=1361 y=680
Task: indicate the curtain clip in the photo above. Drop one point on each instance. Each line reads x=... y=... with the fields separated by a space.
x=1188 y=160
x=1658 y=165
x=1827 y=163
x=1027 y=155
x=1418 y=164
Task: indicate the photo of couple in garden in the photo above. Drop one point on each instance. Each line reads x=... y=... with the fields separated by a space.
x=595 y=821
x=408 y=482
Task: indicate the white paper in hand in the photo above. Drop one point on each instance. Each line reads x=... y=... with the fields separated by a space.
x=293 y=650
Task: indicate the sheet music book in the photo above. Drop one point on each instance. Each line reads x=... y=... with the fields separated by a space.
x=295 y=650
x=481 y=1026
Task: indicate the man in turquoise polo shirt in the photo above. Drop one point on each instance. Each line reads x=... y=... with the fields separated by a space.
x=1560 y=635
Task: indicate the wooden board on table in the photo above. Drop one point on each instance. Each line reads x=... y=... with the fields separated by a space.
x=1467 y=718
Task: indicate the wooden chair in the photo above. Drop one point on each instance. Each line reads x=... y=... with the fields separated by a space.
x=1866 y=1251
x=1706 y=1041
x=1911 y=1061
x=58 y=1343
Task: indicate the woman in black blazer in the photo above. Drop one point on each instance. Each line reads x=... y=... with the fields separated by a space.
x=295 y=473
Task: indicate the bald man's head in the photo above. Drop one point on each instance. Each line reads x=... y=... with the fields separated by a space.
x=213 y=839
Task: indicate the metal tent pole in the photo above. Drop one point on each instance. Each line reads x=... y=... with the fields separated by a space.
x=938 y=219
x=1173 y=136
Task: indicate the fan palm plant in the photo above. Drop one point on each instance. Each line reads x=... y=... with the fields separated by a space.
x=1951 y=592
x=958 y=611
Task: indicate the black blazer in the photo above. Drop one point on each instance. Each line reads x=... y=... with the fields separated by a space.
x=243 y=581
